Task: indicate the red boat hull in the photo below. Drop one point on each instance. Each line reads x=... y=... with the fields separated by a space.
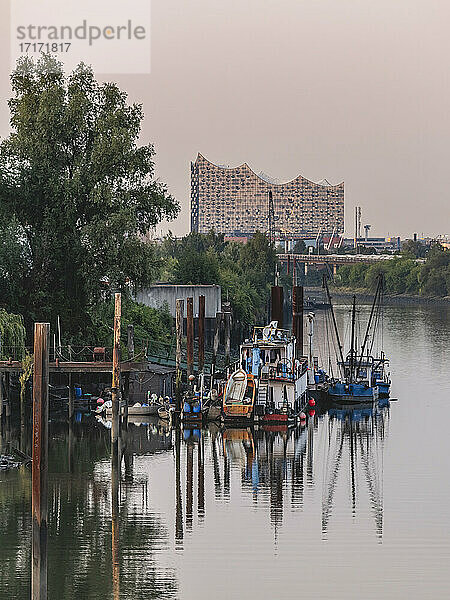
x=275 y=418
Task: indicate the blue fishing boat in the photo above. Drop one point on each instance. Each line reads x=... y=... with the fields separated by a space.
x=363 y=378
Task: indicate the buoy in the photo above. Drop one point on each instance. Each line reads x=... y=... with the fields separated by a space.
x=312 y=412
x=312 y=402
x=302 y=416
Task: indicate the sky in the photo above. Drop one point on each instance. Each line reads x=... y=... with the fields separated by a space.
x=349 y=90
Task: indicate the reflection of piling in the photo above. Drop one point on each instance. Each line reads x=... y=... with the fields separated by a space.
x=297 y=318
x=71 y=402
x=1 y=403
x=70 y=449
x=189 y=484
x=115 y=387
x=309 y=464
x=179 y=334
x=217 y=483
x=226 y=477
x=201 y=479
x=201 y=333
x=190 y=335
x=179 y=498
x=115 y=530
x=277 y=301
x=39 y=501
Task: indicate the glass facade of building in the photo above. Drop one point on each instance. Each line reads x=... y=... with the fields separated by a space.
x=234 y=201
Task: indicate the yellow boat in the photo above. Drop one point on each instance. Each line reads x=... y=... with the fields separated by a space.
x=239 y=396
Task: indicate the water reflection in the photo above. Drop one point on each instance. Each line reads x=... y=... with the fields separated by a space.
x=93 y=505
x=277 y=465
x=356 y=436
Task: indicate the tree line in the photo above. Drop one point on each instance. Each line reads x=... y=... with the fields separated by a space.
x=404 y=274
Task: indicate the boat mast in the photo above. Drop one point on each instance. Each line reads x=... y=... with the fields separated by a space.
x=372 y=312
x=336 y=331
x=352 y=347
x=310 y=317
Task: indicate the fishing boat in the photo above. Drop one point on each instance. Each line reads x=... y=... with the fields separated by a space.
x=362 y=376
x=269 y=386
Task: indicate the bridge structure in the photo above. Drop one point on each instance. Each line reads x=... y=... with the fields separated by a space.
x=333 y=260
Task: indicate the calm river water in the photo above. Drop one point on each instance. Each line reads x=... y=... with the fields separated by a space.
x=355 y=505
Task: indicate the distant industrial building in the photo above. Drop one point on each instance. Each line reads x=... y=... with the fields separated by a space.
x=234 y=201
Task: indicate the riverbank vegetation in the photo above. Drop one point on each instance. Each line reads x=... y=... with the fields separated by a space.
x=403 y=274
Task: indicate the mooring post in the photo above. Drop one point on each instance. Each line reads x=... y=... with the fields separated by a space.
x=179 y=334
x=297 y=318
x=277 y=304
x=39 y=499
x=115 y=387
x=201 y=333
x=190 y=335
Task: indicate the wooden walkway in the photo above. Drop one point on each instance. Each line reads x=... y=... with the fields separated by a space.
x=15 y=366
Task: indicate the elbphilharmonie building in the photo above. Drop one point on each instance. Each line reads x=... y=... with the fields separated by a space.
x=234 y=201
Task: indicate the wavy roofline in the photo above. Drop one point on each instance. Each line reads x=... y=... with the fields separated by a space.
x=244 y=164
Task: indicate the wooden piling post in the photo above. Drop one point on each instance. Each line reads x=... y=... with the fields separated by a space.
x=277 y=305
x=115 y=387
x=201 y=333
x=297 y=318
x=190 y=335
x=39 y=500
x=179 y=334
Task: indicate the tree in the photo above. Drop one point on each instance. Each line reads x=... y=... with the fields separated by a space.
x=80 y=189
x=300 y=247
x=414 y=249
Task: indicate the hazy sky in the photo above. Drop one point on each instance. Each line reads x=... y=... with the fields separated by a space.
x=353 y=90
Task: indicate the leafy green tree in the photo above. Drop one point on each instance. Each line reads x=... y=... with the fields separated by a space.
x=414 y=249
x=80 y=189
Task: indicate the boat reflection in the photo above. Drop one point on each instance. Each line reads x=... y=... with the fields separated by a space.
x=276 y=465
x=356 y=435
